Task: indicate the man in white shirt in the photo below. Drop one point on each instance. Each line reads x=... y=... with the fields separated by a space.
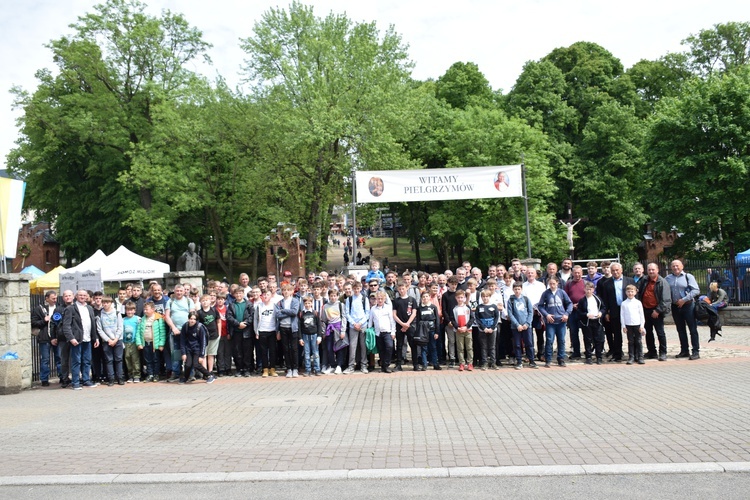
x=79 y=327
x=381 y=319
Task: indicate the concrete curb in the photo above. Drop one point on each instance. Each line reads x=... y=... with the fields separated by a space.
x=343 y=474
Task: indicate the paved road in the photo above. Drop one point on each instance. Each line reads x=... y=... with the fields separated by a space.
x=726 y=486
x=674 y=412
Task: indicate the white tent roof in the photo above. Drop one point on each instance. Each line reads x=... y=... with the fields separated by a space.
x=93 y=263
x=124 y=265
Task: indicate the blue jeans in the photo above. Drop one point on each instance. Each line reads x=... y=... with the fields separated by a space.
x=80 y=363
x=526 y=337
x=420 y=354
x=312 y=356
x=432 y=350
x=44 y=350
x=176 y=353
x=555 y=330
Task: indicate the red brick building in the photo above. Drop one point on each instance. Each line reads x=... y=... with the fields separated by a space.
x=38 y=246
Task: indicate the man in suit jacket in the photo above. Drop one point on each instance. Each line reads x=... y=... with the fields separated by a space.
x=79 y=327
x=46 y=317
x=613 y=293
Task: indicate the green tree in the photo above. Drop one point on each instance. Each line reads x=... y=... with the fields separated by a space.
x=79 y=127
x=698 y=150
x=334 y=93
x=609 y=188
x=723 y=48
x=655 y=80
x=568 y=94
x=463 y=84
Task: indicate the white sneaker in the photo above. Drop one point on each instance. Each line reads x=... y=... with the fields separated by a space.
x=365 y=371
x=289 y=374
x=337 y=371
x=329 y=370
x=295 y=373
x=349 y=371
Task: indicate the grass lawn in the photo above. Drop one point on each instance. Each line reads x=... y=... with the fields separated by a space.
x=383 y=247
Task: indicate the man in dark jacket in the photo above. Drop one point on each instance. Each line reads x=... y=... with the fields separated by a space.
x=58 y=340
x=46 y=317
x=612 y=294
x=656 y=297
x=79 y=327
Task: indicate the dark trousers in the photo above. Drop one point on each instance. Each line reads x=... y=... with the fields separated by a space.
x=538 y=327
x=593 y=339
x=385 y=348
x=523 y=338
x=505 y=345
x=166 y=358
x=635 y=343
x=63 y=347
x=575 y=339
x=291 y=347
x=152 y=358
x=401 y=339
x=487 y=343
x=242 y=350
x=684 y=316
x=113 y=359
x=613 y=331
x=267 y=341
x=192 y=363
x=658 y=325
x=224 y=355
x=98 y=361
x=479 y=352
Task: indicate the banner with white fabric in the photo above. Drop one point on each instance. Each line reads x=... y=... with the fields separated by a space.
x=383 y=186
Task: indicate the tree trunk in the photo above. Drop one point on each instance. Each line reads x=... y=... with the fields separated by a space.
x=325 y=231
x=415 y=234
x=254 y=268
x=213 y=218
x=313 y=231
x=392 y=206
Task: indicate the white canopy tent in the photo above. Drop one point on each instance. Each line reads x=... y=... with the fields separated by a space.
x=124 y=265
x=85 y=275
x=93 y=263
x=120 y=265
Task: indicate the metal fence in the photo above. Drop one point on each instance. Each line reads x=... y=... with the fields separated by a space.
x=731 y=276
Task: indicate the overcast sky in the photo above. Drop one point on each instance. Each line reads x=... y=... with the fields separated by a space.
x=498 y=35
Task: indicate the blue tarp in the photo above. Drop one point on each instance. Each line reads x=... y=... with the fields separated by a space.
x=33 y=270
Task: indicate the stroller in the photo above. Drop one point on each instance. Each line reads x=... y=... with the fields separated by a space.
x=708 y=316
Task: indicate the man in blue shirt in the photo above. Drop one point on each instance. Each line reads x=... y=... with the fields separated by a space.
x=684 y=290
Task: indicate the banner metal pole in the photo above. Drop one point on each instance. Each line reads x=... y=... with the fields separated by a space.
x=354 y=217
x=526 y=209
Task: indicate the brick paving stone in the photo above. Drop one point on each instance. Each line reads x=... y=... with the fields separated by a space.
x=678 y=411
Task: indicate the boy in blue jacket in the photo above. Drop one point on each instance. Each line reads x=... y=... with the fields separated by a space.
x=521 y=314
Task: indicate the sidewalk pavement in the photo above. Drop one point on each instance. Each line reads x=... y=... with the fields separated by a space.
x=558 y=419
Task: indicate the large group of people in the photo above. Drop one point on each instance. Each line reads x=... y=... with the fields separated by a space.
x=328 y=324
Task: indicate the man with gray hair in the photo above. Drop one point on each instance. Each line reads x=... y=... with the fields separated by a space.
x=684 y=290
x=79 y=328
